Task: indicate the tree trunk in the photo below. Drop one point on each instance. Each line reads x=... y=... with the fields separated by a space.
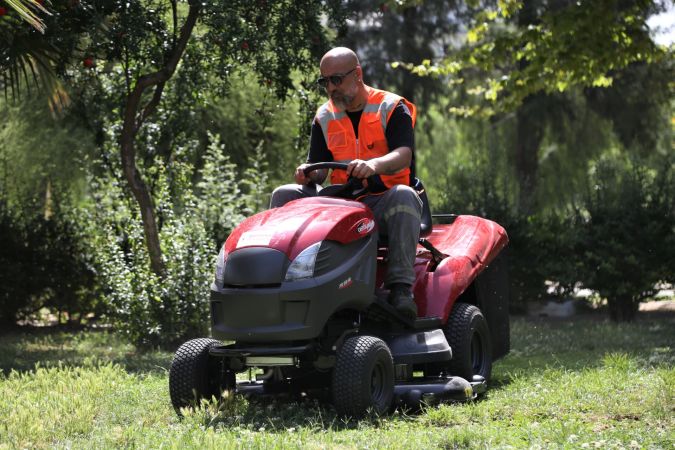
x=409 y=52
x=529 y=128
x=132 y=124
x=622 y=309
x=530 y=131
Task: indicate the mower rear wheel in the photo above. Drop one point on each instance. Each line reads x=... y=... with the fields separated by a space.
x=468 y=334
x=194 y=375
x=363 y=378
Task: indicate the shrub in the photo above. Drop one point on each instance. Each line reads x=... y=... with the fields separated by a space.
x=44 y=264
x=153 y=311
x=541 y=246
x=17 y=292
x=628 y=235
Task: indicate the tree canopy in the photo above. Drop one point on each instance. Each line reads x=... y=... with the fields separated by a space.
x=518 y=48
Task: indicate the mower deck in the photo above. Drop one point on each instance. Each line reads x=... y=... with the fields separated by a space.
x=412 y=394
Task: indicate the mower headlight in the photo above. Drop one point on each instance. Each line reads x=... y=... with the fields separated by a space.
x=303 y=264
x=220 y=270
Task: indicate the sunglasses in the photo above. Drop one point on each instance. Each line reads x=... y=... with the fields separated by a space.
x=335 y=79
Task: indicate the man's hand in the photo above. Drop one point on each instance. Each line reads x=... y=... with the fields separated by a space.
x=361 y=169
x=316 y=176
x=300 y=177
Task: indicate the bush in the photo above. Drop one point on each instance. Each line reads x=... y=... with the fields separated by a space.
x=44 y=264
x=153 y=311
x=17 y=291
x=628 y=235
x=541 y=246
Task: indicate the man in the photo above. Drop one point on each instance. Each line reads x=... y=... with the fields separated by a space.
x=373 y=131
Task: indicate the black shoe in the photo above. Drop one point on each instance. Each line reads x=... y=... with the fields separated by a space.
x=401 y=298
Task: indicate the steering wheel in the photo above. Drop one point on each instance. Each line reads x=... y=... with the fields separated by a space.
x=352 y=189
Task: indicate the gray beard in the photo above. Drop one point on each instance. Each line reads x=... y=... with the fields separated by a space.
x=342 y=101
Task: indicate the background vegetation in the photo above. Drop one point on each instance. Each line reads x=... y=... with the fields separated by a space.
x=135 y=136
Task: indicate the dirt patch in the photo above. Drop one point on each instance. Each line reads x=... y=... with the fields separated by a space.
x=658 y=305
x=571 y=309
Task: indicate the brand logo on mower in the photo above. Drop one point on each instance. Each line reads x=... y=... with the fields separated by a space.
x=365 y=226
x=345 y=284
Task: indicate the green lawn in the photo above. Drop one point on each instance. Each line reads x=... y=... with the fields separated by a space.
x=587 y=384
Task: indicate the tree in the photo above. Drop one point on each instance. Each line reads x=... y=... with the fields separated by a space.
x=522 y=54
x=129 y=54
x=385 y=31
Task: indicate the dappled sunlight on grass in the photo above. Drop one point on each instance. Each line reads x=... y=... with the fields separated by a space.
x=542 y=343
x=23 y=350
x=582 y=384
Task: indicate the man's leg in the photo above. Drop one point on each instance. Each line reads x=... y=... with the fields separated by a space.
x=398 y=212
x=287 y=192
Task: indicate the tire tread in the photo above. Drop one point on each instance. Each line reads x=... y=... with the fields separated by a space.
x=188 y=376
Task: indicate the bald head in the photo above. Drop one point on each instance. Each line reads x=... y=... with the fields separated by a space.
x=339 y=57
x=346 y=88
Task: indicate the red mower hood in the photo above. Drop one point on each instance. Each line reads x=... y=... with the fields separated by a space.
x=301 y=223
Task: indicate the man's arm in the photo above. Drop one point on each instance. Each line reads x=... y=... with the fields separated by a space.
x=400 y=138
x=394 y=161
x=318 y=152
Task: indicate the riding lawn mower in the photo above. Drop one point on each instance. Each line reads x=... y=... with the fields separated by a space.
x=299 y=301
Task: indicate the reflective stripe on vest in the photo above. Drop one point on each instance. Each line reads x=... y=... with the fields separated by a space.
x=338 y=132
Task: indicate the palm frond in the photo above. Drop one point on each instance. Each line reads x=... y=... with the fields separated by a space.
x=27 y=10
x=27 y=59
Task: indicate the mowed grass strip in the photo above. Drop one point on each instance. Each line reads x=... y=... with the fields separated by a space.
x=583 y=384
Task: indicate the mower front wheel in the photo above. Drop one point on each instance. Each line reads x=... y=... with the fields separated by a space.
x=363 y=378
x=194 y=375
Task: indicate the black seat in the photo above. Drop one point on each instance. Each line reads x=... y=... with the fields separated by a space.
x=425 y=225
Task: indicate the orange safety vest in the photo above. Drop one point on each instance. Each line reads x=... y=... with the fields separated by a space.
x=338 y=132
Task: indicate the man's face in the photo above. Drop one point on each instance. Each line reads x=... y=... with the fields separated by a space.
x=343 y=92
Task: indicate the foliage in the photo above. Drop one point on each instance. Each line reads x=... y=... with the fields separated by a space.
x=628 y=241
x=17 y=291
x=524 y=47
x=45 y=264
x=606 y=238
x=639 y=105
x=122 y=57
x=28 y=10
x=35 y=44
x=423 y=30
x=38 y=152
x=259 y=119
x=147 y=309
x=586 y=383
x=533 y=57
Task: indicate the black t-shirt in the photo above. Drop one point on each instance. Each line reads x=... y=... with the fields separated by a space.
x=399 y=133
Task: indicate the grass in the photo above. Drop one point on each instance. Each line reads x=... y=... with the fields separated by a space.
x=582 y=384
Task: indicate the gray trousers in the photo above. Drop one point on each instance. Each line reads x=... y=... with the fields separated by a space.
x=398 y=213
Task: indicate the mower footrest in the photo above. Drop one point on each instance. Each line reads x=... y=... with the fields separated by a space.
x=383 y=311
x=420 y=347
